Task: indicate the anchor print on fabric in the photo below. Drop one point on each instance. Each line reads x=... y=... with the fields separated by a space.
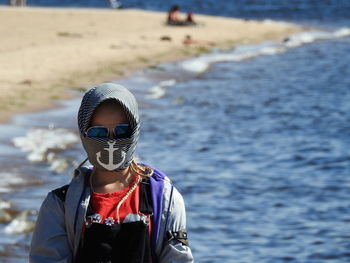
x=110 y=166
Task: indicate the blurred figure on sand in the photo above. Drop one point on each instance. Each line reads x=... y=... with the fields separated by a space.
x=115 y=4
x=17 y=2
x=174 y=18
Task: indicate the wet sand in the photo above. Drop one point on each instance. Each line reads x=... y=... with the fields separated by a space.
x=45 y=52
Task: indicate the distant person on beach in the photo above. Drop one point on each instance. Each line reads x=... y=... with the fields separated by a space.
x=115 y=4
x=174 y=18
x=116 y=209
x=18 y=3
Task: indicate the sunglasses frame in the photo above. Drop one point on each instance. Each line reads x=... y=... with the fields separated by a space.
x=128 y=132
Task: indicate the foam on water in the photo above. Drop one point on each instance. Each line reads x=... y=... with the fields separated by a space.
x=309 y=37
x=4 y=204
x=342 y=32
x=42 y=145
x=240 y=53
x=39 y=141
x=20 y=225
x=57 y=163
x=4 y=214
x=8 y=180
x=159 y=91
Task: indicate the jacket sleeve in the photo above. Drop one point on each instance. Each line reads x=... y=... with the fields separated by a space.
x=174 y=251
x=49 y=242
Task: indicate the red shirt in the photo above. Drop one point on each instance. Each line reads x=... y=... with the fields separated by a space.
x=105 y=205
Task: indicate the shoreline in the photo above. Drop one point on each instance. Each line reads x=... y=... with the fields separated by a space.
x=46 y=52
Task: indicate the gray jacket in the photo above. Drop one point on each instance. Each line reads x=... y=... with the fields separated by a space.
x=59 y=225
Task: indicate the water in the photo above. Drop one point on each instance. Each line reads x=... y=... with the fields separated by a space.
x=256 y=139
x=263 y=157
x=305 y=11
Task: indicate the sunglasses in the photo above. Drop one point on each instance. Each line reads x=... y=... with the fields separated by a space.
x=120 y=131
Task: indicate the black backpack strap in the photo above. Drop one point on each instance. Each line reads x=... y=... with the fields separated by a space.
x=146 y=197
x=61 y=192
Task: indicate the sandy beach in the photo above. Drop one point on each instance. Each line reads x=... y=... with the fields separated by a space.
x=45 y=52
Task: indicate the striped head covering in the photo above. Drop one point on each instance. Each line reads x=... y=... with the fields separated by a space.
x=110 y=154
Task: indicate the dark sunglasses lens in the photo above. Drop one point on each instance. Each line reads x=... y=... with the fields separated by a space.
x=97 y=132
x=122 y=131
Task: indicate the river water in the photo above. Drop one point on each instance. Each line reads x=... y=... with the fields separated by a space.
x=256 y=139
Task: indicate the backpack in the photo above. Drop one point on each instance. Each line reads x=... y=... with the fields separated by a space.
x=151 y=196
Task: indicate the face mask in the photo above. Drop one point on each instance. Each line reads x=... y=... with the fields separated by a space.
x=109 y=154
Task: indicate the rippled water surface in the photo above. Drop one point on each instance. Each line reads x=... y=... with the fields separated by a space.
x=259 y=147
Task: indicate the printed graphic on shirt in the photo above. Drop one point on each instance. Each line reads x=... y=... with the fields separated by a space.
x=109 y=221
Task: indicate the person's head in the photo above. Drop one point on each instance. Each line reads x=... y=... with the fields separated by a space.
x=110 y=114
x=174 y=8
x=109 y=126
x=190 y=17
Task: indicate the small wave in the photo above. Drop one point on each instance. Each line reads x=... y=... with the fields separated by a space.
x=39 y=141
x=343 y=32
x=5 y=216
x=4 y=204
x=7 y=180
x=20 y=225
x=57 y=163
x=159 y=90
x=202 y=63
x=43 y=143
x=309 y=37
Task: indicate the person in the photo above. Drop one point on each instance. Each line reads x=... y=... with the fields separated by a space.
x=17 y=2
x=175 y=20
x=116 y=210
x=115 y=4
